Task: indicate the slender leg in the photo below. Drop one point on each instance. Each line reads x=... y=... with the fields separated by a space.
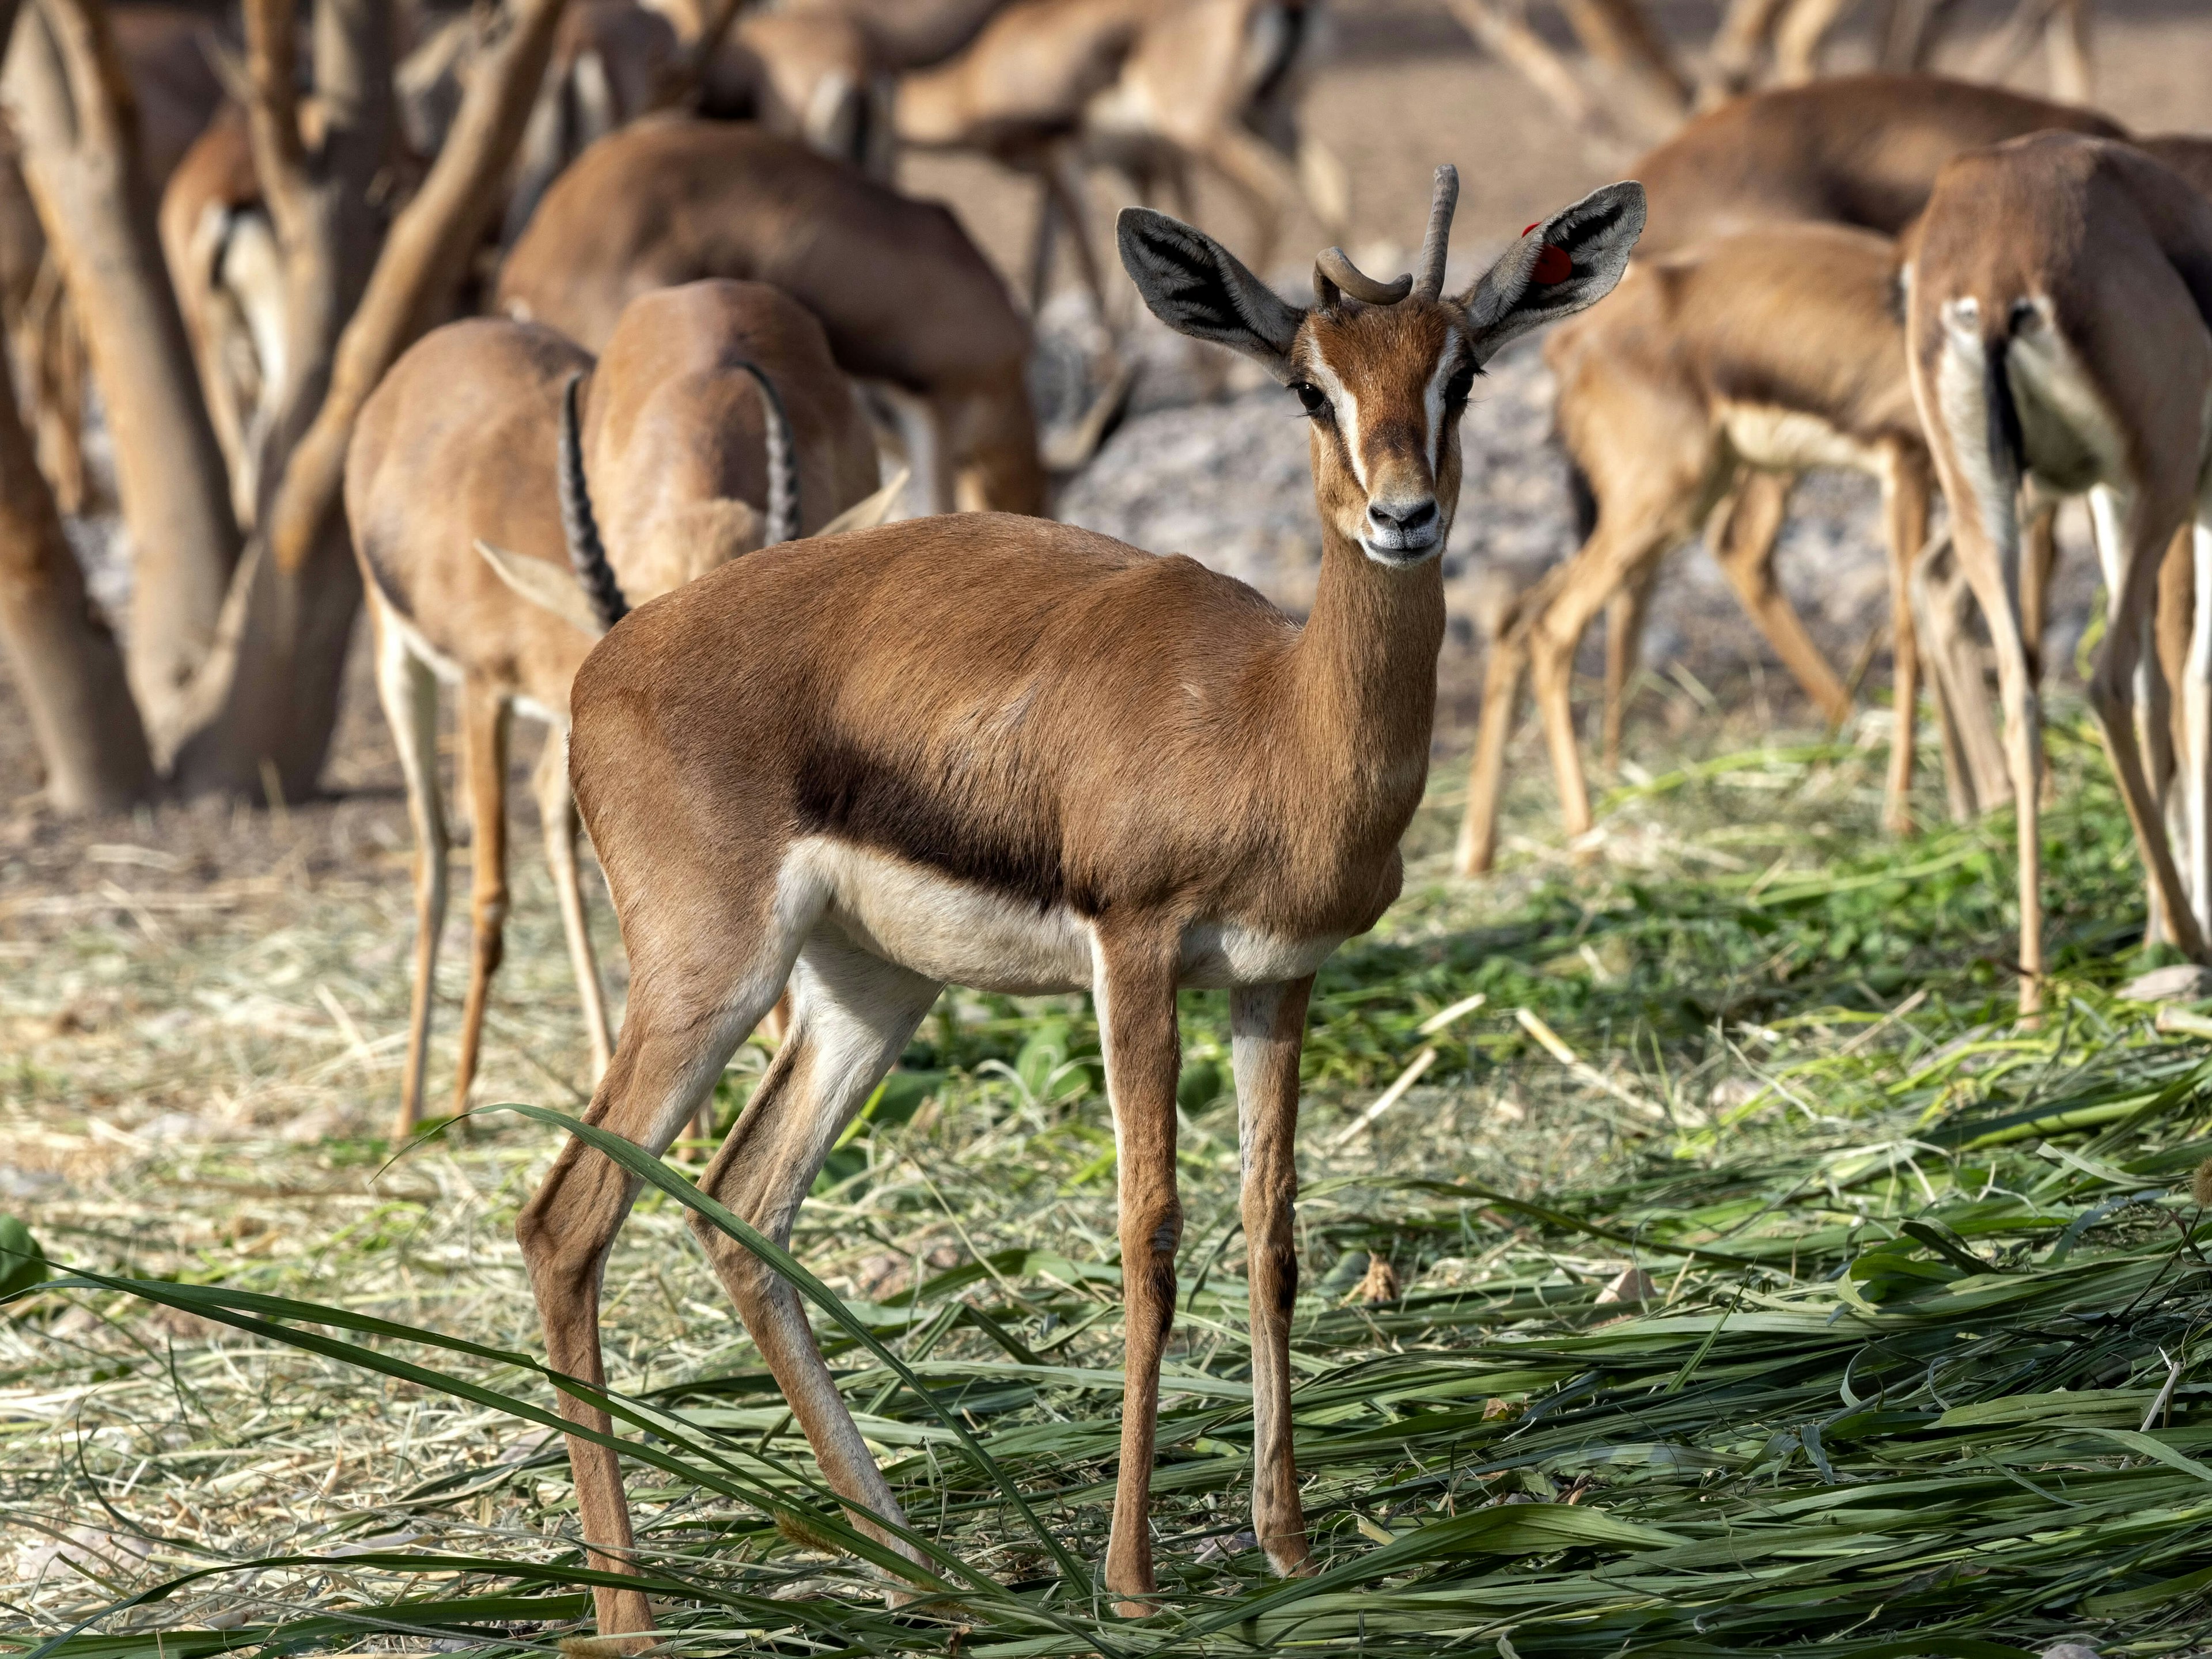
x=1267 y=1024
x=1063 y=180
x=2163 y=729
x=2112 y=692
x=854 y=1013
x=1135 y=991
x=2196 y=703
x=556 y=808
x=1624 y=648
x=691 y=1004
x=1905 y=496
x=1604 y=563
x=2039 y=550
x=409 y=692
x=487 y=719
x=1744 y=547
x=1501 y=696
x=1047 y=225
x=1935 y=578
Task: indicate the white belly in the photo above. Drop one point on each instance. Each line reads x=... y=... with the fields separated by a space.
x=1789 y=441
x=963 y=934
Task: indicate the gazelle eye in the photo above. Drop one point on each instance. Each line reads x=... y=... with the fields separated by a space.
x=1312 y=396
x=1460 y=386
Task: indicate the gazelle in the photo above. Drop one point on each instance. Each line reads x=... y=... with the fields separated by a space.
x=905 y=298
x=1150 y=86
x=1776 y=351
x=1855 y=150
x=2059 y=328
x=588 y=486
x=1020 y=756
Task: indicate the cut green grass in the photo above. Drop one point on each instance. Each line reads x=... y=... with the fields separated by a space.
x=1916 y=1363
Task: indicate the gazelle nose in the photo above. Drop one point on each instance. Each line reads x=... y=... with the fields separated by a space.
x=1403 y=518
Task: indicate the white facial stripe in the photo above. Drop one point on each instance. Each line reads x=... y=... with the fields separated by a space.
x=1432 y=401
x=1347 y=411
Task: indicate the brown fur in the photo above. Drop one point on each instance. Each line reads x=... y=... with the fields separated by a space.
x=2090 y=256
x=1854 y=149
x=904 y=296
x=1027 y=757
x=459 y=444
x=1794 y=317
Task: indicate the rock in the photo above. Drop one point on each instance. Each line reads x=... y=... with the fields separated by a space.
x=2183 y=983
x=2070 y=1650
x=1220 y=1549
x=1629 y=1284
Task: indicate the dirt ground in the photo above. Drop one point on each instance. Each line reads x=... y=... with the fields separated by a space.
x=1223 y=477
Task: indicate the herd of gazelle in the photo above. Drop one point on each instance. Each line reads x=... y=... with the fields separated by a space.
x=1022 y=758
x=1772 y=326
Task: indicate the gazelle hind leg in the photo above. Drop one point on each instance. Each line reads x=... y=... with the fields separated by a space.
x=408 y=691
x=1906 y=490
x=1744 y=545
x=2128 y=657
x=2196 y=698
x=689 y=1005
x=556 y=811
x=486 y=721
x=853 y=1013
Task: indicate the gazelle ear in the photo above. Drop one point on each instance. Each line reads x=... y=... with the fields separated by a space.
x=1566 y=262
x=1197 y=287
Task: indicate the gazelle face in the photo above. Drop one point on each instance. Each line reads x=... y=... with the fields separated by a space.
x=1383 y=369
x=1383 y=387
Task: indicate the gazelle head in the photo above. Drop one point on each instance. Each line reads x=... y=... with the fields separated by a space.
x=1383 y=369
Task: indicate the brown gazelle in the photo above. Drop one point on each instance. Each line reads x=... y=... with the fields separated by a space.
x=2059 y=328
x=1774 y=351
x=713 y=401
x=1018 y=756
x=908 y=301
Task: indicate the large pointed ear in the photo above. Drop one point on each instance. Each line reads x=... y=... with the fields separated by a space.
x=1569 y=261
x=1197 y=287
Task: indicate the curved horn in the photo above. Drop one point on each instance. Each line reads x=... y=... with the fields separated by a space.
x=1335 y=268
x=587 y=552
x=1430 y=284
x=782 y=462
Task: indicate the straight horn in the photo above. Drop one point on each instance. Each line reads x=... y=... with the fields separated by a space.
x=1430 y=284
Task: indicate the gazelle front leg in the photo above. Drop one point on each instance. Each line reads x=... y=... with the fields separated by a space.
x=1267 y=1024
x=1486 y=778
x=1625 y=614
x=556 y=811
x=1134 y=987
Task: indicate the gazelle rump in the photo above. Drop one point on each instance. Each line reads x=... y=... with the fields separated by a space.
x=2059 y=331
x=473 y=438
x=1022 y=757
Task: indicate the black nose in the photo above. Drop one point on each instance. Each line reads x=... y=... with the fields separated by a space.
x=1404 y=518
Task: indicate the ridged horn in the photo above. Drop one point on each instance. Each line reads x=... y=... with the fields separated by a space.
x=587 y=552
x=1332 y=266
x=1429 y=285
x=782 y=524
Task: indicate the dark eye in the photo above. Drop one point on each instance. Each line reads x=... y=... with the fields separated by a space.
x=1460 y=386
x=1312 y=396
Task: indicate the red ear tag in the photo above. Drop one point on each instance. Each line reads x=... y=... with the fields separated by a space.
x=1553 y=266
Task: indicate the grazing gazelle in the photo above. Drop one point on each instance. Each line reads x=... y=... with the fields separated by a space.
x=1776 y=352
x=1018 y=756
x=713 y=401
x=2059 y=329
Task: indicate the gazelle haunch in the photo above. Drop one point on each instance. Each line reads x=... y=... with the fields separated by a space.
x=2059 y=294
x=1709 y=372
x=1021 y=756
x=473 y=438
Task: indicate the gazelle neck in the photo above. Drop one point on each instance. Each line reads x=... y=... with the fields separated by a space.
x=1365 y=672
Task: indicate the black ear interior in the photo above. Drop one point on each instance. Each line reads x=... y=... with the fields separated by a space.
x=1198 y=288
